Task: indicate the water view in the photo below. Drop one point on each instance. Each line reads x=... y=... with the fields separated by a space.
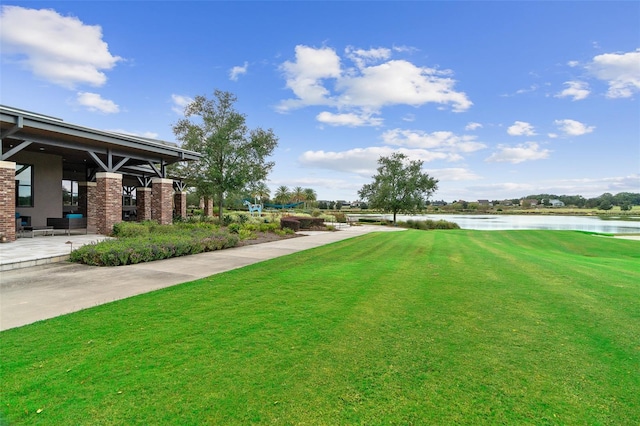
x=507 y=222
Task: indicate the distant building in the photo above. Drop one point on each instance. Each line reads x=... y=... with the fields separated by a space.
x=556 y=203
x=484 y=203
x=532 y=202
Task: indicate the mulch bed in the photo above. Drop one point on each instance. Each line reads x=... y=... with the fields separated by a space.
x=266 y=237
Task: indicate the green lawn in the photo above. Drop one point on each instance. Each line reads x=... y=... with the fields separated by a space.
x=413 y=327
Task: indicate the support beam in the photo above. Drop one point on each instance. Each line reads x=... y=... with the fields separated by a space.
x=15 y=150
x=17 y=127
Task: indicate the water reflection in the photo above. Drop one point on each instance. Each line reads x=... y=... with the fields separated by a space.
x=508 y=222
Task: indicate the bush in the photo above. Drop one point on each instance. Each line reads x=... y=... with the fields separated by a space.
x=428 y=224
x=130 y=229
x=290 y=223
x=306 y=222
x=146 y=248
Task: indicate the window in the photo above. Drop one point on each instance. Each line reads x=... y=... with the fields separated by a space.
x=24 y=186
x=128 y=196
x=69 y=193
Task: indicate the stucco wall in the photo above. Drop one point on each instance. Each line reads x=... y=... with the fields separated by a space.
x=47 y=186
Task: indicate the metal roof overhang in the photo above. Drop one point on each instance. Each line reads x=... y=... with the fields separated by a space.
x=109 y=151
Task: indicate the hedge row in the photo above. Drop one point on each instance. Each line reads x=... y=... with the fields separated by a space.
x=429 y=224
x=301 y=222
x=151 y=247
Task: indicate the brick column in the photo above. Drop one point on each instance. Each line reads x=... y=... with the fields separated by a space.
x=143 y=203
x=180 y=201
x=8 y=200
x=108 y=201
x=208 y=207
x=162 y=200
x=87 y=203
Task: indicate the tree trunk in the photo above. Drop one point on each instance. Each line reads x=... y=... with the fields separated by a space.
x=220 y=198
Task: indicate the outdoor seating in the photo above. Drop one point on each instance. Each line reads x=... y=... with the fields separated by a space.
x=68 y=223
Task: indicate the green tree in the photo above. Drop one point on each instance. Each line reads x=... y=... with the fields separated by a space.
x=260 y=191
x=310 y=195
x=400 y=185
x=283 y=195
x=233 y=156
x=297 y=194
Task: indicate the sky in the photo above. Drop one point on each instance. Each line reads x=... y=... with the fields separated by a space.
x=499 y=100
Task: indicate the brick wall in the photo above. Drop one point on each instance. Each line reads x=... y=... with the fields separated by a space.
x=208 y=207
x=180 y=201
x=108 y=201
x=143 y=203
x=162 y=200
x=8 y=200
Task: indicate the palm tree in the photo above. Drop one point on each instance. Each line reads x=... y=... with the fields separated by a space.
x=310 y=195
x=297 y=194
x=260 y=191
x=283 y=195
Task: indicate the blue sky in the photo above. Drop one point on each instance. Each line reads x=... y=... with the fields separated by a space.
x=499 y=99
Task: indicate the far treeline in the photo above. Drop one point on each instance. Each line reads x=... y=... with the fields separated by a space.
x=624 y=200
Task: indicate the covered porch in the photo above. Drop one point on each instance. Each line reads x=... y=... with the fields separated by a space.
x=50 y=169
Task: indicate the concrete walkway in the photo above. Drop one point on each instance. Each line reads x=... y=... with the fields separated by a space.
x=32 y=294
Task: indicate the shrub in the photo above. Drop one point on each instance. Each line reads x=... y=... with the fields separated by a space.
x=290 y=223
x=307 y=222
x=151 y=247
x=130 y=229
x=428 y=224
x=340 y=217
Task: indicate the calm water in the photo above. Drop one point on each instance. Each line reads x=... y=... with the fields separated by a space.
x=506 y=222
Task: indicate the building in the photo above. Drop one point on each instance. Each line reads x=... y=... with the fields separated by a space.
x=556 y=203
x=49 y=168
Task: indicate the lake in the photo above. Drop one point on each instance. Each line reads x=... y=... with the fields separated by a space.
x=507 y=222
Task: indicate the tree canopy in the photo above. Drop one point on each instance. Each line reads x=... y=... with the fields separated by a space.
x=399 y=186
x=233 y=156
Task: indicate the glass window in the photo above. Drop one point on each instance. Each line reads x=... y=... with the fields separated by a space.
x=24 y=186
x=69 y=193
x=128 y=196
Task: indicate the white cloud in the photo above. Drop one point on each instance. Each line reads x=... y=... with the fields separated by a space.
x=180 y=102
x=237 y=71
x=95 y=102
x=523 y=152
x=621 y=71
x=148 y=135
x=577 y=90
x=56 y=48
x=573 y=127
x=364 y=161
x=363 y=57
x=304 y=76
x=317 y=77
x=573 y=64
x=521 y=128
x=441 y=140
x=453 y=174
x=348 y=119
x=399 y=82
x=473 y=126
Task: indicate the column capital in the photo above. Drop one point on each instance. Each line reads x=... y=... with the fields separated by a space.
x=108 y=175
x=161 y=180
x=7 y=165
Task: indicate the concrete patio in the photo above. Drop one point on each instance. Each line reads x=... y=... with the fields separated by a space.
x=41 y=250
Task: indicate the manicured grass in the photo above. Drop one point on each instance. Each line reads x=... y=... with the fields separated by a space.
x=413 y=327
